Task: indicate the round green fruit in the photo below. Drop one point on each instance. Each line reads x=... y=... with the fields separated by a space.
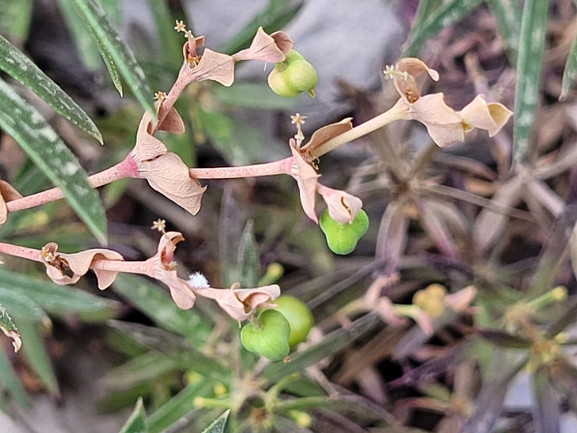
x=293 y=76
x=298 y=315
x=279 y=85
x=342 y=238
x=270 y=339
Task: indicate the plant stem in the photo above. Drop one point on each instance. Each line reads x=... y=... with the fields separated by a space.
x=282 y=166
x=125 y=168
x=389 y=116
x=23 y=252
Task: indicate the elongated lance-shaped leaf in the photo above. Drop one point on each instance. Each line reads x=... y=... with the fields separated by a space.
x=10 y=383
x=508 y=17
x=529 y=62
x=273 y=17
x=331 y=344
x=56 y=299
x=115 y=50
x=37 y=356
x=218 y=425
x=9 y=329
x=247 y=263
x=432 y=24
x=24 y=70
x=570 y=71
x=136 y=423
x=170 y=41
x=50 y=154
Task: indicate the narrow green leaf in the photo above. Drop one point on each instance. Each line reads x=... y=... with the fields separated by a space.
x=56 y=299
x=21 y=307
x=136 y=423
x=331 y=344
x=9 y=329
x=170 y=41
x=252 y=95
x=546 y=412
x=273 y=17
x=9 y=382
x=570 y=71
x=155 y=303
x=51 y=155
x=529 y=63
x=115 y=51
x=144 y=368
x=87 y=49
x=508 y=17
x=503 y=339
x=179 y=405
x=176 y=347
x=247 y=264
x=24 y=70
x=15 y=17
x=218 y=425
x=37 y=356
x=438 y=19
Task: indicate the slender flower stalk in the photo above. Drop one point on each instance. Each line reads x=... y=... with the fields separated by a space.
x=282 y=166
x=389 y=116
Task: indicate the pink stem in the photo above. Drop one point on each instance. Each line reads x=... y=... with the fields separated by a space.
x=125 y=168
x=136 y=267
x=23 y=252
x=282 y=166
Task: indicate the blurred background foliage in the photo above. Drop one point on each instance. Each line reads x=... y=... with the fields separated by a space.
x=498 y=214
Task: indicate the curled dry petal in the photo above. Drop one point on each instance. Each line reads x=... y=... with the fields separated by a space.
x=447 y=126
x=266 y=47
x=255 y=298
x=410 y=68
x=164 y=269
x=7 y=193
x=443 y=124
x=165 y=171
x=212 y=66
x=306 y=177
x=240 y=303
x=170 y=176
x=478 y=114
x=325 y=133
x=66 y=269
x=341 y=205
x=172 y=123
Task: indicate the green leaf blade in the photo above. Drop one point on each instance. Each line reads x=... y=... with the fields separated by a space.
x=570 y=71
x=51 y=155
x=218 y=425
x=13 y=62
x=115 y=51
x=136 y=423
x=9 y=329
x=431 y=24
x=59 y=300
x=529 y=62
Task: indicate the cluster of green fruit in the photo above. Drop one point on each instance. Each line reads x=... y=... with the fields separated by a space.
x=275 y=332
x=293 y=76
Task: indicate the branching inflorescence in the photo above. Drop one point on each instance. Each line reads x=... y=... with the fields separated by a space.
x=169 y=175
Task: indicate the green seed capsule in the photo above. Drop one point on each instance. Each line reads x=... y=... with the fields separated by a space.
x=270 y=339
x=298 y=315
x=342 y=238
x=293 y=76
